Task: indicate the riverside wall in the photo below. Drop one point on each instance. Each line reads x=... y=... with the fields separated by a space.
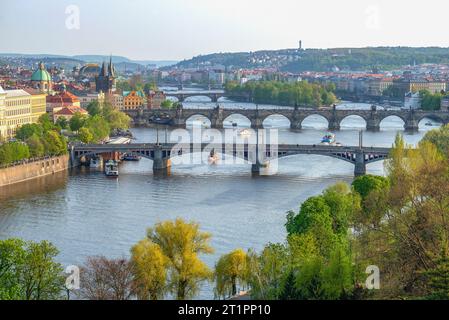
x=32 y=170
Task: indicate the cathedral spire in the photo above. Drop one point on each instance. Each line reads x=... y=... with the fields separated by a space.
x=103 y=70
x=111 y=70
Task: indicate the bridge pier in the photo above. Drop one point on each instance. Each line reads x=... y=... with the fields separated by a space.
x=334 y=125
x=256 y=123
x=161 y=163
x=373 y=125
x=411 y=125
x=360 y=165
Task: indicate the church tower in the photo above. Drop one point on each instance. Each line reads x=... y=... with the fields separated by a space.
x=105 y=81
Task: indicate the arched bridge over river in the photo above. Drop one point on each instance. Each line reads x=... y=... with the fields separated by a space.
x=179 y=116
x=162 y=153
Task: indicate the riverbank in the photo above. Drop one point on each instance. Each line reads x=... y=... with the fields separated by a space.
x=32 y=170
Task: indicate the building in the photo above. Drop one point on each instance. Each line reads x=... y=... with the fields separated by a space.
x=116 y=100
x=60 y=100
x=68 y=112
x=15 y=111
x=2 y=114
x=89 y=71
x=41 y=79
x=412 y=100
x=38 y=104
x=105 y=81
x=87 y=98
x=133 y=100
x=155 y=99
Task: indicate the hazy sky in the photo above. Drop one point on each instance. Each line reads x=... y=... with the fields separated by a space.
x=179 y=29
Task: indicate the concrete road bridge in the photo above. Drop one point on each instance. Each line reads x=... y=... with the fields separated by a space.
x=178 y=117
x=161 y=154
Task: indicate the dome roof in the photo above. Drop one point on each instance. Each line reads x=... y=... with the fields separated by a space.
x=41 y=74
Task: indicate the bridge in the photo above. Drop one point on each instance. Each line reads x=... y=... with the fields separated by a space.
x=373 y=117
x=162 y=153
x=181 y=95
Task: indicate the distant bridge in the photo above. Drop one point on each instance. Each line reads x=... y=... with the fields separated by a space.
x=178 y=117
x=162 y=153
x=181 y=95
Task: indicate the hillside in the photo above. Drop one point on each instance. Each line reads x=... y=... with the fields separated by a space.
x=292 y=60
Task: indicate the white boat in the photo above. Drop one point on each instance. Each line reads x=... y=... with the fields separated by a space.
x=111 y=168
x=328 y=139
x=95 y=163
x=213 y=157
x=244 y=132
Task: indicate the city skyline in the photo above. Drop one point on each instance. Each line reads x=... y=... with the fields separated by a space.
x=80 y=27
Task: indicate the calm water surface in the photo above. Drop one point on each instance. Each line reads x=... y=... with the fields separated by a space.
x=83 y=213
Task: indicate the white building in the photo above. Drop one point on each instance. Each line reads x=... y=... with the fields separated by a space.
x=15 y=111
x=412 y=101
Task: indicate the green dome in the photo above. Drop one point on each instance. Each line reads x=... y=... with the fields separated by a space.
x=41 y=74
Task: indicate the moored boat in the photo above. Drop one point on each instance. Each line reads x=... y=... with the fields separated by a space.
x=111 y=168
x=131 y=157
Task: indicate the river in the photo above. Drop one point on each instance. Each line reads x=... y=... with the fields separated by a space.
x=84 y=214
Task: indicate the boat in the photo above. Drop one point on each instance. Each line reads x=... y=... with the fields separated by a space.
x=95 y=162
x=131 y=157
x=111 y=168
x=213 y=157
x=429 y=124
x=328 y=139
x=244 y=132
x=234 y=124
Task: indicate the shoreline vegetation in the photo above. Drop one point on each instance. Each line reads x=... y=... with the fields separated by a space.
x=398 y=223
x=283 y=93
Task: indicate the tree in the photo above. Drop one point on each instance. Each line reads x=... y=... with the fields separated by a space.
x=13 y=151
x=28 y=130
x=46 y=122
x=229 y=271
x=265 y=272
x=167 y=104
x=107 y=279
x=99 y=127
x=55 y=144
x=40 y=276
x=77 y=122
x=84 y=135
x=62 y=122
x=94 y=108
x=150 y=270
x=439 y=138
x=366 y=184
x=181 y=243
x=37 y=148
x=12 y=254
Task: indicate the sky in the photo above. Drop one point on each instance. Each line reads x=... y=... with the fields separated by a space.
x=181 y=29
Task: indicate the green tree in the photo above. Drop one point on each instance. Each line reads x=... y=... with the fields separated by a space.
x=366 y=184
x=439 y=138
x=77 y=122
x=84 y=135
x=37 y=148
x=150 y=270
x=181 y=243
x=62 y=123
x=28 y=271
x=28 y=130
x=94 y=108
x=54 y=143
x=230 y=270
x=46 y=122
